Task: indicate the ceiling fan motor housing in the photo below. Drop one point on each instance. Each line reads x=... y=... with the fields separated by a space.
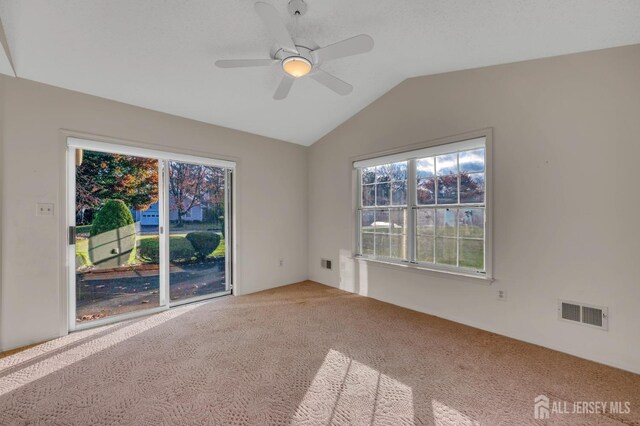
x=281 y=54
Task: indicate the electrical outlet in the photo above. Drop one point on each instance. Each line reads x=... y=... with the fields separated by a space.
x=44 y=209
x=281 y=262
x=502 y=294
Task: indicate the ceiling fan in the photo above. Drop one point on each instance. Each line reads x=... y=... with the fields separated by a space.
x=303 y=58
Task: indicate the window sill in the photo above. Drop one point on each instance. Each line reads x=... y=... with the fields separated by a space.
x=480 y=278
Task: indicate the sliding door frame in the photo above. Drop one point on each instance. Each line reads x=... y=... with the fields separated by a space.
x=74 y=142
x=228 y=274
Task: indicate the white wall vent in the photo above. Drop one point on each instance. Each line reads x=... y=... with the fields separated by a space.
x=570 y=311
x=593 y=316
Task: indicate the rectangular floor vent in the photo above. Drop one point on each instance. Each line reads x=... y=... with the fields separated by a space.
x=594 y=316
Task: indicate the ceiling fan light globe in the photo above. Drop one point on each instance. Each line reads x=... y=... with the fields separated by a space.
x=296 y=66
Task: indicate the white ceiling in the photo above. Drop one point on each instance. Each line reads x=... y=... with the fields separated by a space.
x=5 y=61
x=160 y=54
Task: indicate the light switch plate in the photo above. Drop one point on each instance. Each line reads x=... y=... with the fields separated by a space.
x=45 y=209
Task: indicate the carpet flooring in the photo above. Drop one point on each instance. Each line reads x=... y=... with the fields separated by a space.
x=302 y=354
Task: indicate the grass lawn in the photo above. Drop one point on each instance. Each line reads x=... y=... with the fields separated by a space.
x=194 y=226
x=429 y=248
x=219 y=251
x=82 y=249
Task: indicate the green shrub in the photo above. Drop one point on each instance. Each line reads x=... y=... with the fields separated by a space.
x=113 y=215
x=180 y=249
x=204 y=243
x=83 y=229
x=112 y=236
x=149 y=249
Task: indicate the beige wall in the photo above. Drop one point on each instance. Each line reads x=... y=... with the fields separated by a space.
x=566 y=141
x=271 y=182
x=566 y=152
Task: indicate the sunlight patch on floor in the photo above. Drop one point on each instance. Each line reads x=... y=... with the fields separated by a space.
x=345 y=391
x=50 y=346
x=443 y=415
x=64 y=359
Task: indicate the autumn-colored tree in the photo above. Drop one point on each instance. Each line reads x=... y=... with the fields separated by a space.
x=102 y=176
x=192 y=185
x=470 y=189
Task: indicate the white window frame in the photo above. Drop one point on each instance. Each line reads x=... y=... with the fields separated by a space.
x=411 y=154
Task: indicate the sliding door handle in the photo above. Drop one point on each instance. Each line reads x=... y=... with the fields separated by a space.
x=72 y=235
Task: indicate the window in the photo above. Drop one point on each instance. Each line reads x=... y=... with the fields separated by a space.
x=384 y=210
x=426 y=207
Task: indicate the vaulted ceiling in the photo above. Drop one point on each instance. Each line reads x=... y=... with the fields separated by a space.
x=160 y=54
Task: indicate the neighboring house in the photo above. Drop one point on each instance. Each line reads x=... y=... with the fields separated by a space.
x=151 y=216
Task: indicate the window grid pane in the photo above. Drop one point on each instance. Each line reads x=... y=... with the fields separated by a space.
x=383 y=232
x=460 y=180
x=448 y=210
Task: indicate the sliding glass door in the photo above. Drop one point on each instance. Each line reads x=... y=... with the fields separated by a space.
x=114 y=196
x=147 y=230
x=197 y=249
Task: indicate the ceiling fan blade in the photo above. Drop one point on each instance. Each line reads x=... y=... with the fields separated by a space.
x=241 y=63
x=332 y=82
x=276 y=27
x=352 y=46
x=283 y=88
